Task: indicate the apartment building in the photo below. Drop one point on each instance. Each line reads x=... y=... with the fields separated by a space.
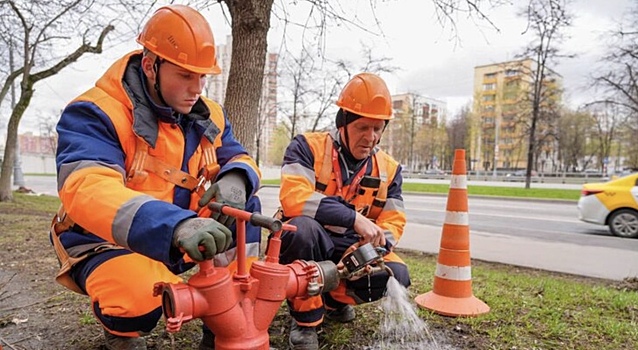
x=414 y=136
x=502 y=114
x=37 y=153
x=216 y=90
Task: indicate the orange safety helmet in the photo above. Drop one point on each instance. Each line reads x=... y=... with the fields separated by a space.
x=367 y=95
x=182 y=36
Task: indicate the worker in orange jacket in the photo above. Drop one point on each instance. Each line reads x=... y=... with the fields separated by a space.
x=135 y=154
x=340 y=190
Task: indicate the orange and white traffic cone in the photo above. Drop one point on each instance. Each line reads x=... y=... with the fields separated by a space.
x=452 y=293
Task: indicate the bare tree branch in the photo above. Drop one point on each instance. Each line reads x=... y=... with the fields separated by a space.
x=74 y=56
x=46 y=29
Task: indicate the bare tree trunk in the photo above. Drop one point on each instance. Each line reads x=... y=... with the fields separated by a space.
x=547 y=19
x=531 y=146
x=12 y=136
x=251 y=21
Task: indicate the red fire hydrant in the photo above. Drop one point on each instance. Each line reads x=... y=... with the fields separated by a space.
x=239 y=308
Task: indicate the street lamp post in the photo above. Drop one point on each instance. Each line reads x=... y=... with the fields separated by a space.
x=496 y=130
x=18 y=179
x=18 y=176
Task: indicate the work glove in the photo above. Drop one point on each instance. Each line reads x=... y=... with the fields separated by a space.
x=190 y=234
x=229 y=190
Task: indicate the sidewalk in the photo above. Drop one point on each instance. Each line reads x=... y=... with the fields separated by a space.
x=590 y=261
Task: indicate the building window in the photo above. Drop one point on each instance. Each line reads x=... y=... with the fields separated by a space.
x=508 y=108
x=510 y=95
x=489 y=76
x=512 y=84
x=489 y=98
x=490 y=86
x=511 y=72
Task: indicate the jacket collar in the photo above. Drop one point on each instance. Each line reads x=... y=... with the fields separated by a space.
x=147 y=115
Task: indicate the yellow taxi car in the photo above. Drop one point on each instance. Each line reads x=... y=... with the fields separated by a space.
x=613 y=203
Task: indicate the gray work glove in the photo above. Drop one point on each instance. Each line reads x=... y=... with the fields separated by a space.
x=190 y=234
x=229 y=190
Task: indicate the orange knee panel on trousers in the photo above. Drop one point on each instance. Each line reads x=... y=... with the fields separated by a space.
x=123 y=286
x=307 y=304
x=340 y=294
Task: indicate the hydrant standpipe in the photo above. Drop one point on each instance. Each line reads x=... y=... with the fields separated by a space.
x=239 y=308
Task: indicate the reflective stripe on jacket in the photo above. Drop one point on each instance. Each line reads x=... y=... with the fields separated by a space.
x=303 y=162
x=98 y=132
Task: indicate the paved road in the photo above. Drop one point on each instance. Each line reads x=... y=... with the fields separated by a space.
x=551 y=221
x=522 y=233
x=519 y=233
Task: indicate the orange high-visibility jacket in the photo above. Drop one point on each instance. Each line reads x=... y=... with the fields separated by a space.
x=302 y=193
x=99 y=133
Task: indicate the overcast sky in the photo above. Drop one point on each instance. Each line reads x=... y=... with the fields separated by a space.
x=432 y=62
x=435 y=65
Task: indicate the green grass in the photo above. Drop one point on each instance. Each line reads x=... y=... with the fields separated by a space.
x=532 y=309
x=271 y=182
x=87 y=318
x=529 y=309
x=475 y=190
x=35 y=203
x=495 y=191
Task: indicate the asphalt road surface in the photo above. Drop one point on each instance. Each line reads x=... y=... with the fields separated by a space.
x=539 y=234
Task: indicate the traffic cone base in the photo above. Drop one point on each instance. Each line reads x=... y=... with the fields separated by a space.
x=452 y=292
x=448 y=306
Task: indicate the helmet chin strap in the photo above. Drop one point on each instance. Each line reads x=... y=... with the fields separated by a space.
x=156 y=86
x=384 y=126
x=346 y=138
x=346 y=156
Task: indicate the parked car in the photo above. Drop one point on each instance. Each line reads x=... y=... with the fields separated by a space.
x=519 y=175
x=613 y=203
x=592 y=172
x=434 y=173
x=616 y=174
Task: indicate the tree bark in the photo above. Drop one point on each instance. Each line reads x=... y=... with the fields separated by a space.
x=251 y=21
x=12 y=136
